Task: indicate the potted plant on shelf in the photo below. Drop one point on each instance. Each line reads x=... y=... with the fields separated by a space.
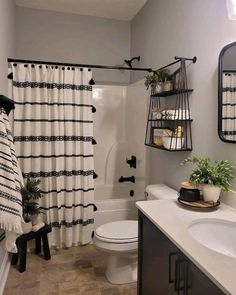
x=153 y=82
x=212 y=177
x=30 y=194
x=167 y=80
x=160 y=80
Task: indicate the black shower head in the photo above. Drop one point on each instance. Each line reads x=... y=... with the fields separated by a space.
x=129 y=61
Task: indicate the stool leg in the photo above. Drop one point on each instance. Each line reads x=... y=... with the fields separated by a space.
x=46 y=249
x=23 y=252
x=38 y=245
x=14 y=258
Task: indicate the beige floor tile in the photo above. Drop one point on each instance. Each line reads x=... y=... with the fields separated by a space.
x=69 y=288
x=110 y=291
x=74 y=271
x=89 y=287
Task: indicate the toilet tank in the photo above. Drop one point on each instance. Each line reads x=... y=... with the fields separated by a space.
x=160 y=192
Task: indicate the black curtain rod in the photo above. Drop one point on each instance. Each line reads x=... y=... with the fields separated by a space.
x=79 y=65
x=177 y=59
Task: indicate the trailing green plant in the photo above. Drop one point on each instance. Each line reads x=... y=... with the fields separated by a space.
x=151 y=80
x=220 y=174
x=30 y=194
x=157 y=77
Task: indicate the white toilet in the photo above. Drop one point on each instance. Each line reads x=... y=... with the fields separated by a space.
x=119 y=240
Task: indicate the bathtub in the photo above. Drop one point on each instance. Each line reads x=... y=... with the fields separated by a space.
x=115 y=209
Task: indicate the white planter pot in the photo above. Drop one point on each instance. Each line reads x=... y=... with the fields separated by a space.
x=211 y=192
x=26 y=227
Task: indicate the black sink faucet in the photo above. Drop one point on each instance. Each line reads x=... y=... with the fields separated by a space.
x=123 y=179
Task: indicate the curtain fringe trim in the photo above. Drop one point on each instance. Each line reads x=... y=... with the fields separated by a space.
x=7 y=224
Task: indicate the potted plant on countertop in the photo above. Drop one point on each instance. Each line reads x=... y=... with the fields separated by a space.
x=30 y=194
x=212 y=177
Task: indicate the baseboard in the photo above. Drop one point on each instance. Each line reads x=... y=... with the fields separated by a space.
x=4 y=270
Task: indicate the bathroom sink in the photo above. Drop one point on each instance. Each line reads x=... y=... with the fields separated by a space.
x=215 y=234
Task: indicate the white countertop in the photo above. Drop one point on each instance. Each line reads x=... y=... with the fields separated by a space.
x=173 y=220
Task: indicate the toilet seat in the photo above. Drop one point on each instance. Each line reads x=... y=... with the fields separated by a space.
x=118 y=232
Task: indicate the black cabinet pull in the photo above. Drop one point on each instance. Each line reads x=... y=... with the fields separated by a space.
x=186 y=275
x=177 y=275
x=171 y=254
x=181 y=276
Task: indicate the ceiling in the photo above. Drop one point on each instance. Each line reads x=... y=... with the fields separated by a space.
x=114 y=9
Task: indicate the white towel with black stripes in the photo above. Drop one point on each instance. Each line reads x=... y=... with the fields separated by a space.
x=10 y=185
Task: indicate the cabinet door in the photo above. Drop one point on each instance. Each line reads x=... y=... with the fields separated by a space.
x=198 y=283
x=157 y=259
x=164 y=270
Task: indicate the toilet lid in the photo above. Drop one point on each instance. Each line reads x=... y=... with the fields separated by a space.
x=118 y=231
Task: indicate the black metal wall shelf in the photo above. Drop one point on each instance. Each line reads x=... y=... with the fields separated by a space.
x=165 y=149
x=171 y=93
x=170 y=120
x=169 y=128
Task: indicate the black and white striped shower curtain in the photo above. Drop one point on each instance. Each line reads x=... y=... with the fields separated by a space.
x=53 y=133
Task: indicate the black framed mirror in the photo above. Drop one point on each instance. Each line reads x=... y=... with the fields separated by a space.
x=227 y=93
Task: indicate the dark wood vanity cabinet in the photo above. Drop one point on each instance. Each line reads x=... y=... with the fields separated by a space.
x=164 y=270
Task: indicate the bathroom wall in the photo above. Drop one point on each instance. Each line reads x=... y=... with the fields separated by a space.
x=166 y=28
x=119 y=127
x=54 y=36
x=7 y=37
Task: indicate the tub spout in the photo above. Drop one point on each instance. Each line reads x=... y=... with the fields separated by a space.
x=123 y=179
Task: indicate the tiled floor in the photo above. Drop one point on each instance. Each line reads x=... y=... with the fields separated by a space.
x=74 y=271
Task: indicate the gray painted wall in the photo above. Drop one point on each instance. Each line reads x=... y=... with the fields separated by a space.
x=165 y=28
x=7 y=37
x=53 y=36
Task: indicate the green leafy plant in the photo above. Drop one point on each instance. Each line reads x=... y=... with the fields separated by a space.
x=219 y=174
x=164 y=75
x=157 y=77
x=30 y=194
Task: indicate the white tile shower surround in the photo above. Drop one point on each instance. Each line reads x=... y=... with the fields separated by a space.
x=221 y=269
x=115 y=210
x=119 y=129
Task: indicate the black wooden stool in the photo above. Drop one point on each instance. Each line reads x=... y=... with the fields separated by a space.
x=21 y=243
